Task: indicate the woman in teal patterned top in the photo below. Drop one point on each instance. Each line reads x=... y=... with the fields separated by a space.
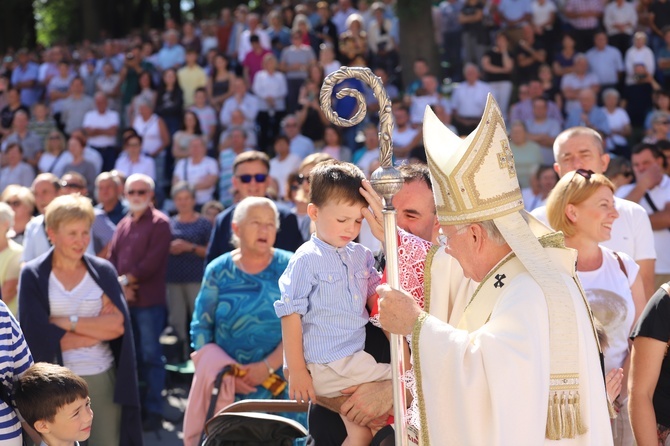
x=234 y=308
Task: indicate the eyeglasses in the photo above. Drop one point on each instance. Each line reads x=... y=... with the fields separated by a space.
x=14 y=203
x=71 y=185
x=259 y=178
x=140 y=192
x=302 y=178
x=443 y=239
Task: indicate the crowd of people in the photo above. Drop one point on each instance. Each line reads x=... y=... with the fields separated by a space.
x=196 y=146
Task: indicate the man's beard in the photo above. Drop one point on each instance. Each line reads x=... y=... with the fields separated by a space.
x=137 y=207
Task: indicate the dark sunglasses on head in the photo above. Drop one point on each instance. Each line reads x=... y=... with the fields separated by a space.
x=583 y=172
x=302 y=178
x=140 y=192
x=259 y=178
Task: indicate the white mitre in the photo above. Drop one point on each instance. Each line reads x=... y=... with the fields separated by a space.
x=474 y=180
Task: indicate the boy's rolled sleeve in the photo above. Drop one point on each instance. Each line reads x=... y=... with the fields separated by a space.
x=295 y=285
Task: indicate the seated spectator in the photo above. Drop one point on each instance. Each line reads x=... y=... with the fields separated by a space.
x=41 y=123
x=108 y=83
x=639 y=54
x=241 y=100
x=132 y=160
x=58 y=89
x=468 y=100
x=146 y=94
x=620 y=20
x=660 y=128
x=311 y=118
x=639 y=95
x=529 y=55
x=391 y=90
x=16 y=171
x=605 y=61
x=523 y=110
x=542 y=129
x=197 y=170
x=564 y=60
x=405 y=137
x=527 y=153
x=428 y=94
x=24 y=77
x=206 y=115
x=294 y=61
x=661 y=102
x=75 y=146
x=588 y=114
x=211 y=209
x=579 y=79
x=108 y=193
x=327 y=60
x=279 y=34
x=543 y=20
x=227 y=156
x=283 y=164
x=7 y=113
x=191 y=77
x=381 y=44
x=270 y=87
x=218 y=82
x=22 y=202
x=253 y=61
x=45 y=188
x=250 y=174
x=619 y=123
x=300 y=145
x=31 y=144
x=238 y=122
x=353 y=41
x=101 y=126
x=583 y=17
x=333 y=145
x=190 y=130
x=169 y=100
x=550 y=89
x=190 y=234
x=172 y=54
x=498 y=65
x=75 y=106
x=10 y=259
x=536 y=195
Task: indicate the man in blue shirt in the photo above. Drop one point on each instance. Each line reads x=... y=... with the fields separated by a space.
x=24 y=77
x=605 y=61
x=587 y=114
x=172 y=55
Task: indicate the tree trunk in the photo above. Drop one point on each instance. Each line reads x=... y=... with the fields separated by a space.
x=91 y=19
x=417 y=37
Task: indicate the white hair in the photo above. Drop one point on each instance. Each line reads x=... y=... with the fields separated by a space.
x=146 y=179
x=242 y=210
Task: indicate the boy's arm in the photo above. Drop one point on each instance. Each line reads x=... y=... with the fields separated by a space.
x=299 y=380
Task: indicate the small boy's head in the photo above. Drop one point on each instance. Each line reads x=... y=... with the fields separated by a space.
x=54 y=401
x=336 y=202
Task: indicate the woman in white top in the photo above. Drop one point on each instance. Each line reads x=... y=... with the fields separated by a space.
x=582 y=206
x=619 y=121
x=75 y=315
x=201 y=172
x=271 y=88
x=132 y=160
x=53 y=160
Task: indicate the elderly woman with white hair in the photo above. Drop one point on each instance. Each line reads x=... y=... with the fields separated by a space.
x=619 y=121
x=234 y=320
x=10 y=258
x=639 y=54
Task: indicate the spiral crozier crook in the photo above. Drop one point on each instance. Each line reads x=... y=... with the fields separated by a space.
x=386 y=181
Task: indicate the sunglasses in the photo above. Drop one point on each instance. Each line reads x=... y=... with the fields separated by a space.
x=302 y=178
x=140 y=192
x=259 y=178
x=583 y=172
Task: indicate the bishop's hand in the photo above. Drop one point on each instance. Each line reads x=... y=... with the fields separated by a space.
x=398 y=311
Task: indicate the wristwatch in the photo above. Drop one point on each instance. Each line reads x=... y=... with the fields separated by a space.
x=73 y=322
x=270 y=369
x=123 y=280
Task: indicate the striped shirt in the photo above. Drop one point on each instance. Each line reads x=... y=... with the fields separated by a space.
x=84 y=300
x=15 y=358
x=329 y=288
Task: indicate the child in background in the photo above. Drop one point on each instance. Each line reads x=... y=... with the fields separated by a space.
x=324 y=291
x=55 y=402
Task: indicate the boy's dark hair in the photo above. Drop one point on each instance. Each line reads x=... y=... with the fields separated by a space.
x=44 y=388
x=336 y=181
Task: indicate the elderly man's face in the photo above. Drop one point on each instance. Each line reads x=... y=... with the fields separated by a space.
x=107 y=191
x=44 y=191
x=587 y=99
x=461 y=246
x=415 y=206
x=139 y=195
x=581 y=152
x=249 y=170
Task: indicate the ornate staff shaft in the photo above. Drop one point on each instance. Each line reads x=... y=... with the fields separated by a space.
x=387 y=181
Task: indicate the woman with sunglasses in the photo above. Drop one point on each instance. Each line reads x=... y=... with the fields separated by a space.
x=582 y=207
x=22 y=201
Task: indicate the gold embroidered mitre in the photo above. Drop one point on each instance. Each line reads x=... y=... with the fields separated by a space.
x=474 y=179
